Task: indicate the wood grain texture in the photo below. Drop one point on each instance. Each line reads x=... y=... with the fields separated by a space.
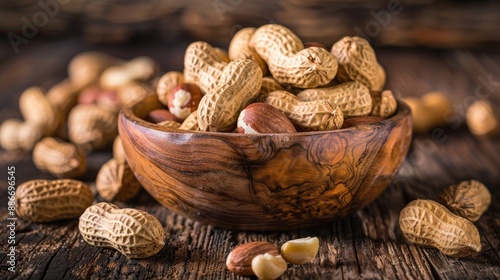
x=366 y=244
x=267 y=181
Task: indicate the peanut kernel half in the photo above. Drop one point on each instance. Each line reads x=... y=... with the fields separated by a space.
x=268 y=266
x=300 y=251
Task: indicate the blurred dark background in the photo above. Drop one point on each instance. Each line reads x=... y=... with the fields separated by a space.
x=429 y=23
x=46 y=34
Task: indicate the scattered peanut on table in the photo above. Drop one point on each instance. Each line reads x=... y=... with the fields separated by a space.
x=43 y=201
x=85 y=69
x=307 y=88
x=18 y=135
x=132 y=232
x=92 y=127
x=482 y=120
x=239 y=260
x=429 y=224
x=300 y=251
x=37 y=109
x=59 y=158
x=267 y=266
x=468 y=199
x=430 y=111
x=116 y=181
x=138 y=69
x=263 y=259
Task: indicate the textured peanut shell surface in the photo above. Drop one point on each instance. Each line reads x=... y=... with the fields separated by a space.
x=430 y=224
x=115 y=181
x=191 y=122
x=133 y=232
x=353 y=98
x=170 y=124
x=357 y=62
x=288 y=61
x=468 y=199
x=237 y=87
x=239 y=48
x=202 y=65
x=307 y=115
x=264 y=181
x=46 y=201
x=384 y=103
x=269 y=84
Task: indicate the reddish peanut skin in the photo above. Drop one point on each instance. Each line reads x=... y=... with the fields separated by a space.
x=160 y=115
x=263 y=118
x=109 y=100
x=239 y=260
x=183 y=100
x=166 y=83
x=355 y=121
x=89 y=95
x=96 y=95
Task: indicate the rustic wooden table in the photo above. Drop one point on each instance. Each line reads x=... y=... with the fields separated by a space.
x=367 y=244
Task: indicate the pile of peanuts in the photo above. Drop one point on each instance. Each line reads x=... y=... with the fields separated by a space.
x=268 y=81
x=61 y=127
x=447 y=223
x=268 y=73
x=79 y=115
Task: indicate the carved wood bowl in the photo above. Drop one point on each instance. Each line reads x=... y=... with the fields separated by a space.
x=264 y=182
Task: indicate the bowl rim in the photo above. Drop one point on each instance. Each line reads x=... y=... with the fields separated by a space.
x=128 y=112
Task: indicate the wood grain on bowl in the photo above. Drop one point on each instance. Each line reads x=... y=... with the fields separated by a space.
x=265 y=181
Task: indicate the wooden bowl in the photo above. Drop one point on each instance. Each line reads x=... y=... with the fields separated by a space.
x=266 y=181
